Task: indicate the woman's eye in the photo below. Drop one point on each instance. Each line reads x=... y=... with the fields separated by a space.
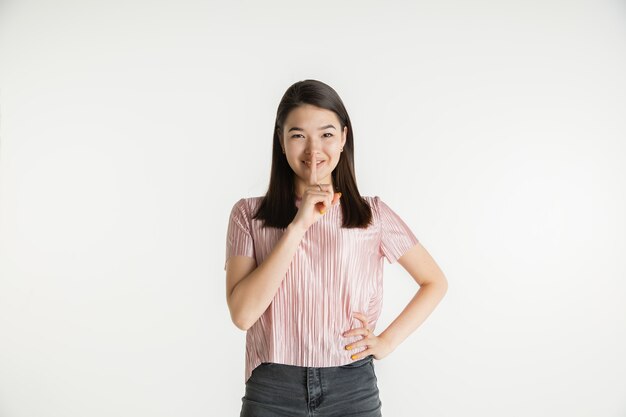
x=324 y=135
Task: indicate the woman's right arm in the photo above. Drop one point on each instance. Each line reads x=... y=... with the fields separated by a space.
x=250 y=290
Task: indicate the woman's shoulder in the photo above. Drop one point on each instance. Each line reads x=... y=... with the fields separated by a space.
x=246 y=205
x=248 y=200
x=372 y=200
x=379 y=207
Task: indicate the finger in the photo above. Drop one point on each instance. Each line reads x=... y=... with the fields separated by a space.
x=326 y=202
x=313 y=169
x=358 y=331
x=326 y=193
x=320 y=198
x=361 y=317
x=331 y=196
x=336 y=198
x=315 y=191
x=351 y=332
x=362 y=355
x=327 y=189
x=358 y=344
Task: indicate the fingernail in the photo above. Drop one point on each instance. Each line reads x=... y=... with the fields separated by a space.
x=353 y=356
x=339 y=195
x=348 y=347
x=323 y=211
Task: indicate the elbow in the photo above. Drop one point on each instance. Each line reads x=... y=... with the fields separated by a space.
x=241 y=325
x=240 y=314
x=444 y=285
x=440 y=282
x=240 y=321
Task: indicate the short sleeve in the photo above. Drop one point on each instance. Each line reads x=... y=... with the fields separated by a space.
x=396 y=238
x=238 y=237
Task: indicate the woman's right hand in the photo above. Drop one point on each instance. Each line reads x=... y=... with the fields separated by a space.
x=315 y=202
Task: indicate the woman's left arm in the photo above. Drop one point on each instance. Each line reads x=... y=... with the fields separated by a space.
x=433 y=286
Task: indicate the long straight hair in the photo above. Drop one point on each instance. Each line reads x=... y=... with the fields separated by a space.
x=278 y=208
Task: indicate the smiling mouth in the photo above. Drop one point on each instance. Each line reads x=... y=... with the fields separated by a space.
x=320 y=162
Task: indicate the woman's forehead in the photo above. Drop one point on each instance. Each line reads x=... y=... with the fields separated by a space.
x=309 y=116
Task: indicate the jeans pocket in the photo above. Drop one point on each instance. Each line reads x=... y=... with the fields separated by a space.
x=373 y=370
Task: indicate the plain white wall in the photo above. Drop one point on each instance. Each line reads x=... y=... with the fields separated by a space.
x=128 y=129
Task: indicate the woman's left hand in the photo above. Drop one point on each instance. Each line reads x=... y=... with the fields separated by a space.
x=376 y=345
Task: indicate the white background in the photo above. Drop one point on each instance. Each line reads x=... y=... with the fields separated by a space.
x=495 y=129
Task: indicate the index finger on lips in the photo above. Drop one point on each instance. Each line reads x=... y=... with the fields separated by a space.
x=313 y=170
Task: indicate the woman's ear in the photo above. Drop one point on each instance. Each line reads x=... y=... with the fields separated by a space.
x=344 y=136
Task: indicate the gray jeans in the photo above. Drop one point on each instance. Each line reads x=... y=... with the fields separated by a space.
x=276 y=390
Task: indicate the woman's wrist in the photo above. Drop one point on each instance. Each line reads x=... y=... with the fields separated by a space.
x=296 y=228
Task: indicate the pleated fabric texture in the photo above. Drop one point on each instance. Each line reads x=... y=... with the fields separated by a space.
x=335 y=271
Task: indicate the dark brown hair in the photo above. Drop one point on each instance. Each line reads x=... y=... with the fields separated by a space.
x=277 y=208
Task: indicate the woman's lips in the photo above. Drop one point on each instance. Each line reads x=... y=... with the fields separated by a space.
x=308 y=163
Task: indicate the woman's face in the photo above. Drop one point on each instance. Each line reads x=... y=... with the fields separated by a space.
x=309 y=130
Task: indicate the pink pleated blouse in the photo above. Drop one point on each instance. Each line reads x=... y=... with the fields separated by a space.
x=335 y=271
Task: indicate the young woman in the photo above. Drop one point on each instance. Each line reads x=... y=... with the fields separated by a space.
x=304 y=267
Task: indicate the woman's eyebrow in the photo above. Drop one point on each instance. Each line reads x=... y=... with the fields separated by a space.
x=321 y=128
